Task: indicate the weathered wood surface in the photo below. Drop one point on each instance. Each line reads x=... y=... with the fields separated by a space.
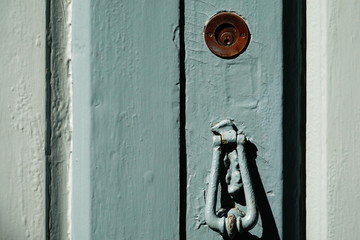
x=126 y=107
x=247 y=89
x=22 y=120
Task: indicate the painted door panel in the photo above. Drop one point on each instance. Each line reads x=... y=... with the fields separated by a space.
x=126 y=104
x=247 y=89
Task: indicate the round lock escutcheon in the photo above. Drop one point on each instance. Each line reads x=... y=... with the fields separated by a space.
x=227 y=34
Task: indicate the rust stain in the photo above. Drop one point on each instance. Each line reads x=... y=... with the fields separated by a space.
x=231 y=222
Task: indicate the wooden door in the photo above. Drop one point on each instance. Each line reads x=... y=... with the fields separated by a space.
x=146 y=92
x=126 y=111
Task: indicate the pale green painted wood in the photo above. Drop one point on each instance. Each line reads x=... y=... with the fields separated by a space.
x=247 y=89
x=126 y=98
x=80 y=182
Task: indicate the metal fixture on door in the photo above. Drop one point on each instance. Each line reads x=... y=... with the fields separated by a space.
x=228 y=151
x=226 y=34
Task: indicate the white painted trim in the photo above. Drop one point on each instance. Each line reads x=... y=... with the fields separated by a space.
x=333 y=120
x=316 y=155
x=22 y=120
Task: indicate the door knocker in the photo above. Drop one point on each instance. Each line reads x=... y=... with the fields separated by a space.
x=228 y=151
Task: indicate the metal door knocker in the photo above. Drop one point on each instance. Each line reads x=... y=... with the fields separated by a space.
x=228 y=151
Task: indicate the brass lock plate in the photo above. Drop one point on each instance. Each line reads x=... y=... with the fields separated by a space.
x=227 y=34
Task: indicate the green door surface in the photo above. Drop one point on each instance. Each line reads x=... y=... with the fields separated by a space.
x=146 y=92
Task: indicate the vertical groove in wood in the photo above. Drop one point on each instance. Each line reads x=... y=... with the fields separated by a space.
x=47 y=116
x=294 y=39
x=182 y=125
x=58 y=112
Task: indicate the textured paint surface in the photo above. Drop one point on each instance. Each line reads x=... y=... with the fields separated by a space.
x=126 y=106
x=59 y=119
x=333 y=192
x=343 y=126
x=247 y=89
x=22 y=132
x=316 y=121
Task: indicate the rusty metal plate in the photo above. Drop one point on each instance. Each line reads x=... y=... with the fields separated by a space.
x=226 y=34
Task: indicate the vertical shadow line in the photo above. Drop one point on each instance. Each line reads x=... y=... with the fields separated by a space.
x=294 y=119
x=182 y=123
x=303 y=122
x=48 y=130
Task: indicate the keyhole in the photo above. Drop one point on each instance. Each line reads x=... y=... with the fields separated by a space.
x=227 y=41
x=226 y=34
